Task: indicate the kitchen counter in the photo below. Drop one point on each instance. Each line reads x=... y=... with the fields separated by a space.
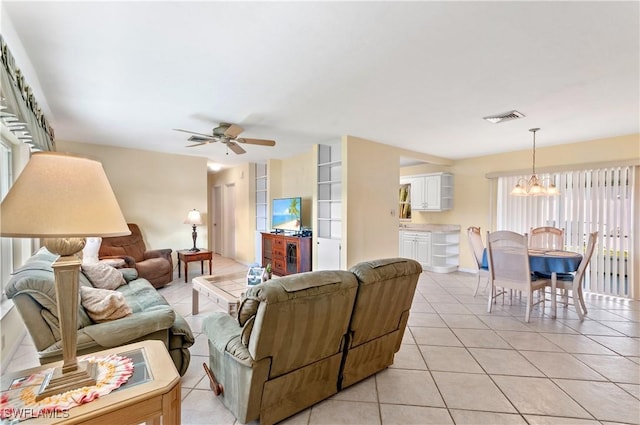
x=430 y=227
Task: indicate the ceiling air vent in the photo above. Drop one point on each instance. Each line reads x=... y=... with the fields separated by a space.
x=507 y=116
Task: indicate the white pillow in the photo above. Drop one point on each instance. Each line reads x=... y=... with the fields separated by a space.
x=103 y=276
x=103 y=305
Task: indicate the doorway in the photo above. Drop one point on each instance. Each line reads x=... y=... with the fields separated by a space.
x=216 y=216
x=229 y=221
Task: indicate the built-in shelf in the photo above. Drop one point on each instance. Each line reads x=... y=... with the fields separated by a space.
x=329 y=206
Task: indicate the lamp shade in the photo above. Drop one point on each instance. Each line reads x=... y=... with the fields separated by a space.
x=61 y=196
x=193 y=218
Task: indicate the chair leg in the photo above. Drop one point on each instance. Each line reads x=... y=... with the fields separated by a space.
x=491 y=292
x=581 y=298
x=477 y=285
x=527 y=313
x=576 y=304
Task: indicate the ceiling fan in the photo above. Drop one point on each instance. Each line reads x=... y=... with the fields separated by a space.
x=225 y=133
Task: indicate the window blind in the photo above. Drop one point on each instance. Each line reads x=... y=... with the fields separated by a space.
x=590 y=200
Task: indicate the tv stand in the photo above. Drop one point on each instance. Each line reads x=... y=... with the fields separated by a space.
x=286 y=254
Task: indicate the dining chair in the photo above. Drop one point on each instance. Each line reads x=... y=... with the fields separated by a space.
x=573 y=281
x=509 y=268
x=477 y=250
x=546 y=237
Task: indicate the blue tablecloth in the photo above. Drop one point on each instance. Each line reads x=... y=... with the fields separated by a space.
x=543 y=261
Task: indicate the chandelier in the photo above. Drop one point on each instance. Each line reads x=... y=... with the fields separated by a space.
x=534 y=186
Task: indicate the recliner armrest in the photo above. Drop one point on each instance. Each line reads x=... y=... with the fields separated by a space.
x=129 y=261
x=155 y=253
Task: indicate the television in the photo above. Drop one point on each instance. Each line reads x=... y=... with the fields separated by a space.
x=286 y=214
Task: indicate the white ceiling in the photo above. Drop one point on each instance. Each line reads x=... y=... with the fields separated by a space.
x=420 y=75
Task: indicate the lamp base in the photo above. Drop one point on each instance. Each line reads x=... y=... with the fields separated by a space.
x=59 y=382
x=194 y=249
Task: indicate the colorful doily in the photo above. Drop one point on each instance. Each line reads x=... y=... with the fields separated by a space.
x=19 y=403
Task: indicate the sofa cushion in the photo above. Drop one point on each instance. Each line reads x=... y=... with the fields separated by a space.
x=103 y=305
x=103 y=276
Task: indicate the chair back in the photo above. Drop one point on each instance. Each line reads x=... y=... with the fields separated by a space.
x=476 y=244
x=508 y=257
x=586 y=257
x=131 y=245
x=546 y=237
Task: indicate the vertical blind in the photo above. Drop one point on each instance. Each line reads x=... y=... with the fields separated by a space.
x=595 y=200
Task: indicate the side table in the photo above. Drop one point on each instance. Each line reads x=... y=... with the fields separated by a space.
x=153 y=391
x=186 y=256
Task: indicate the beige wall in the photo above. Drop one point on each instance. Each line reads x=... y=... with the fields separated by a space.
x=240 y=180
x=287 y=177
x=154 y=190
x=294 y=176
x=370 y=200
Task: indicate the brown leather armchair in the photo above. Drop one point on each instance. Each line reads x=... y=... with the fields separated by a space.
x=155 y=265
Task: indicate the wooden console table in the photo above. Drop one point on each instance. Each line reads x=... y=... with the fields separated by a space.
x=286 y=254
x=186 y=256
x=152 y=392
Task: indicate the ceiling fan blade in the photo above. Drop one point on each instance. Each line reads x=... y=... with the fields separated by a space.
x=261 y=142
x=202 y=139
x=236 y=148
x=193 y=132
x=197 y=144
x=233 y=131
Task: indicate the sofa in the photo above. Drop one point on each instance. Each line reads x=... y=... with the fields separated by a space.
x=31 y=287
x=155 y=265
x=302 y=338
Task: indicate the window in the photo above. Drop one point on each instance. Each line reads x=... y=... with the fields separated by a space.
x=6 y=244
x=590 y=200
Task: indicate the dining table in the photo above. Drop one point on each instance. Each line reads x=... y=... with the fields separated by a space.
x=551 y=262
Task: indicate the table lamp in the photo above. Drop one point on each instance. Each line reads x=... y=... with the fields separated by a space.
x=194 y=219
x=63 y=198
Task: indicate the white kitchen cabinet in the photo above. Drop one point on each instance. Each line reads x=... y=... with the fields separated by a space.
x=436 y=251
x=430 y=192
x=417 y=246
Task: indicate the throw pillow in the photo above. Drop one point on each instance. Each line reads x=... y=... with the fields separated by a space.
x=103 y=276
x=103 y=305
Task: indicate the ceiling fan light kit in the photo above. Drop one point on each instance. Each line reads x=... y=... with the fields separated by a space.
x=225 y=133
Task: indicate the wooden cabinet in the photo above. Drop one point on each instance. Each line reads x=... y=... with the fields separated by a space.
x=286 y=254
x=430 y=192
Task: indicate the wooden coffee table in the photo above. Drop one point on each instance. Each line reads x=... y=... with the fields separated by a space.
x=225 y=290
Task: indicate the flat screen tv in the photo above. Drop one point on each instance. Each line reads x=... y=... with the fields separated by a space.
x=285 y=214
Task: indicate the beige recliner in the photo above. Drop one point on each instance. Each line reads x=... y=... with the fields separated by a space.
x=385 y=293
x=283 y=352
x=301 y=338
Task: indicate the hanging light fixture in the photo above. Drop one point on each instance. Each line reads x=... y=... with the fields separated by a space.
x=534 y=186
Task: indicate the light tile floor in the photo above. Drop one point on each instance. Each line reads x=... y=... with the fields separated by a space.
x=459 y=364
